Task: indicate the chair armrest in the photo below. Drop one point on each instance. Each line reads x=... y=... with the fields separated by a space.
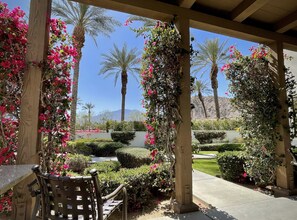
x=115 y=193
x=33 y=188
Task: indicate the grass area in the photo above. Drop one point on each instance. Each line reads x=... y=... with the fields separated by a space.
x=209 y=166
x=208 y=152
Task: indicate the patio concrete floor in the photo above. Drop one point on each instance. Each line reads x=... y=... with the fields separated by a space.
x=230 y=201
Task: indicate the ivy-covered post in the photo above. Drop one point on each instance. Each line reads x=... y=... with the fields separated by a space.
x=284 y=172
x=29 y=140
x=183 y=152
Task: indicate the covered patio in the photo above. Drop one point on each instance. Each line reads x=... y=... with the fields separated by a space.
x=270 y=22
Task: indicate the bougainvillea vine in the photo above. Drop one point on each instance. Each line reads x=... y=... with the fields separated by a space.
x=160 y=80
x=55 y=101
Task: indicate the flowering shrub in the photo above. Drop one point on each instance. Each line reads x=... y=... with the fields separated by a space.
x=54 y=91
x=55 y=98
x=160 y=80
x=256 y=97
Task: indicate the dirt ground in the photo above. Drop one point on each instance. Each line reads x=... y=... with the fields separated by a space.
x=160 y=209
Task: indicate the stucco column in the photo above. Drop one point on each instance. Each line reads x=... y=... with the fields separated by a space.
x=183 y=152
x=284 y=172
x=29 y=139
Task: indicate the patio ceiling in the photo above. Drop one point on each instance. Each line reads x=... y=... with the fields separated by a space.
x=263 y=21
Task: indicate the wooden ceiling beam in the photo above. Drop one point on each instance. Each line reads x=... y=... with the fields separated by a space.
x=286 y=23
x=186 y=3
x=246 y=9
x=164 y=11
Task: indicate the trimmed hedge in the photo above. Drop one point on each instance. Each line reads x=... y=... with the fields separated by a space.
x=131 y=157
x=80 y=146
x=123 y=136
x=230 y=147
x=141 y=184
x=98 y=147
x=205 y=137
x=231 y=164
x=104 y=167
x=77 y=162
x=104 y=149
x=139 y=126
x=214 y=124
x=207 y=147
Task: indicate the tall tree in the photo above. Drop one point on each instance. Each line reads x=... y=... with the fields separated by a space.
x=201 y=88
x=211 y=54
x=147 y=24
x=88 y=107
x=121 y=62
x=86 y=19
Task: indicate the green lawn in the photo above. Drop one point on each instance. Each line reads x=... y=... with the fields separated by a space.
x=209 y=166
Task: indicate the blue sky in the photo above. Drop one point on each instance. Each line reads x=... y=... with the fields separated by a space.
x=100 y=91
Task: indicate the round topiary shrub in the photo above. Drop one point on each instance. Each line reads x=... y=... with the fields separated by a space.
x=123 y=136
x=206 y=137
x=231 y=164
x=104 y=167
x=131 y=157
x=230 y=147
x=104 y=149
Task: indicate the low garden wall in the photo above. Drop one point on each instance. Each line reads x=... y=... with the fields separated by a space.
x=140 y=136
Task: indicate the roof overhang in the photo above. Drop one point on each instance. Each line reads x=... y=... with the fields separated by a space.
x=231 y=23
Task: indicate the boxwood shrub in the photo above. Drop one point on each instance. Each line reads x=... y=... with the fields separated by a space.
x=81 y=146
x=205 y=137
x=104 y=167
x=123 y=136
x=231 y=164
x=141 y=184
x=104 y=149
x=131 y=157
x=230 y=147
x=77 y=162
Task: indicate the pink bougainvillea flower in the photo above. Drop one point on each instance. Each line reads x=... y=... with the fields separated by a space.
x=154 y=167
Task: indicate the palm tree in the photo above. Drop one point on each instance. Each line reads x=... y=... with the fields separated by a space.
x=211 y=54
x=88 y=107
x=201 y=88
x=86 y=19
x=148 y=23
x=120 y=63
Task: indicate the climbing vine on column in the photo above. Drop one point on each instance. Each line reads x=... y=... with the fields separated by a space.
x=160 y=80
x=253 y=82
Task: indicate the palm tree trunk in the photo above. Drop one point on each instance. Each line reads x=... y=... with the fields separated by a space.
x=79 y=40
x=202 y=102
x=214 y=85
x=216 y=100
x=74 y=100
x=89 y=116
x=124 y=91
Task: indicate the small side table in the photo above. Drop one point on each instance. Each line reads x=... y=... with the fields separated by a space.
x=11 y=175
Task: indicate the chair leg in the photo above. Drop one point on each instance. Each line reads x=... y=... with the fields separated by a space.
x=125 y=205
x=36 y=207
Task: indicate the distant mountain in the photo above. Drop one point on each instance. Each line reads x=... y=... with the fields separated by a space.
x=226 y=109
x=130 y=115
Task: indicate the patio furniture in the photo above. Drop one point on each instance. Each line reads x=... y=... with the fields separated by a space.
x=63 y=197
x=11 y=175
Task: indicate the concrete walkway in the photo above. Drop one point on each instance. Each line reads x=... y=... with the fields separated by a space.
x=204 y=156
x=229 y=201
x=232 y=201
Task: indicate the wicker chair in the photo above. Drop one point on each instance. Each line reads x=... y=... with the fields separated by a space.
x=74 y=197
